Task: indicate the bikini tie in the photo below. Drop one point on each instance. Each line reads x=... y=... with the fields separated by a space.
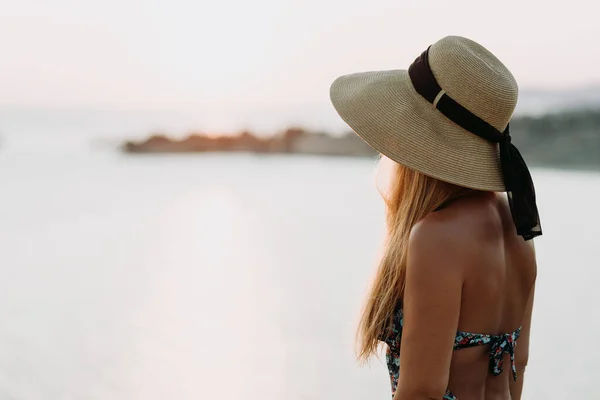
x=502 y=344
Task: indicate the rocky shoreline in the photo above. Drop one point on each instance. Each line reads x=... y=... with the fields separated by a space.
x=295 y=141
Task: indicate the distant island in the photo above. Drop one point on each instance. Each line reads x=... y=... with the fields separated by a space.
x=291 y=141
x=563 y=139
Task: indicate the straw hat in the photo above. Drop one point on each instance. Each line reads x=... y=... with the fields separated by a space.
x=386 y=111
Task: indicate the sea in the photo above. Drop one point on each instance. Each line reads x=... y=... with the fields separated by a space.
x=222 y=277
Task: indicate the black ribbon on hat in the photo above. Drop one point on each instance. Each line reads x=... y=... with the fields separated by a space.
x=517 y=179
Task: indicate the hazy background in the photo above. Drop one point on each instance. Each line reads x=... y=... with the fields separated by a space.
x=226 y=64
x=238 y=275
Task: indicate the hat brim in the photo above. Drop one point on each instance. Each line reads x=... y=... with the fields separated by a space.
x=384 y=109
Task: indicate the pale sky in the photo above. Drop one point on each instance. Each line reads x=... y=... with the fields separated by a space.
x=188 y=53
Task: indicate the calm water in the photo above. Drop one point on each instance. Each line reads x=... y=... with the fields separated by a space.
x=228 y=277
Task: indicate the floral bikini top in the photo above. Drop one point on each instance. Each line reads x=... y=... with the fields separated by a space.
x=499 y=345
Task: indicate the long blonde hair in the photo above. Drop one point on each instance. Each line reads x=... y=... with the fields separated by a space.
x=410 y=197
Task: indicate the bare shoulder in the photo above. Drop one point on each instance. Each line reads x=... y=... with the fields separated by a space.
x=454 y=237
x=436 y=247
x=436 y=234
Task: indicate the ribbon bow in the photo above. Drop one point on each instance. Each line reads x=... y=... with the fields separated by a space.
x=519 y=186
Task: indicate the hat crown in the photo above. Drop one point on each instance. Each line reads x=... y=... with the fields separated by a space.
x=475 y=78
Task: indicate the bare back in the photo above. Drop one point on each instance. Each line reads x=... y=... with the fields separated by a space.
x=495 y=294
x=484 y=284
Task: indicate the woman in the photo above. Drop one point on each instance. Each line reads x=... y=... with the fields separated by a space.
x=453 y=294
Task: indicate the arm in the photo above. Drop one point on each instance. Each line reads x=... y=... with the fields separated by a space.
x=522 y=348
x=431 y=304
x=522 y=351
